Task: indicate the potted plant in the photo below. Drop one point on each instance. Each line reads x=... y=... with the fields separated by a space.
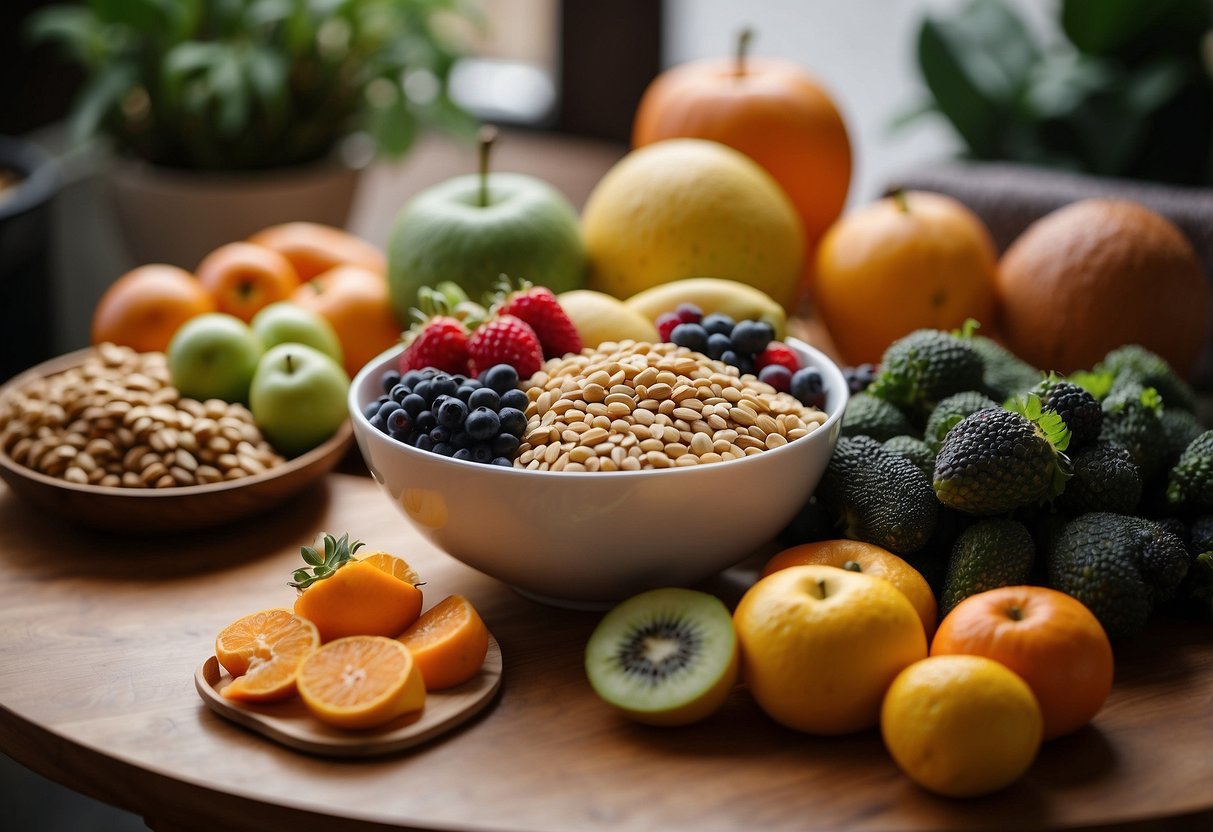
x=226 y=117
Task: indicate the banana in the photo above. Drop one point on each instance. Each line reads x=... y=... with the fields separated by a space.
x=737 y=300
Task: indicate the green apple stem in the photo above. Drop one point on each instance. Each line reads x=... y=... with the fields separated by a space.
x=488 y=134
x=743 y=47
x=290 y=363
x=899 y=199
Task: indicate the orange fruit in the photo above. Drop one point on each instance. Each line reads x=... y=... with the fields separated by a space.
x=1098 y=274
x=361 y=682
x=355 y=301
x=858 y=556
x=820 y=645
x=449 y=642
x=143 y=308
x=961 y=726
x=1047 y=637
x=369 y=596
x=313 y=248
x=913 y=261
x=243 y=278
x=263 y=651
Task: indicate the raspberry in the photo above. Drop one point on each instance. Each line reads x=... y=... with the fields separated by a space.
x=666 y=322
x=777 y=353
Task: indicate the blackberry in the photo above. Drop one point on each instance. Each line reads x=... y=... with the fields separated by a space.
x=1077 y=408
x=859 y=377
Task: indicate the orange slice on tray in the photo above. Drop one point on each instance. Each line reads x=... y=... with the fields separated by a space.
x=264 y=651
x=361 y=682
x=449 y=643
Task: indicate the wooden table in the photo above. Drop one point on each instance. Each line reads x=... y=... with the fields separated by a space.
x=100 y=637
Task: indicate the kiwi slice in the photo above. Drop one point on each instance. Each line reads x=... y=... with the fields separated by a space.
x=665 y=657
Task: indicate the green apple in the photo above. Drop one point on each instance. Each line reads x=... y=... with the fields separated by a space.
x=285 y=323
x=298 y=397
x=472 y=229
x=213 y=356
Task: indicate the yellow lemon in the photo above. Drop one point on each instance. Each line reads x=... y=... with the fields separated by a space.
x=600 y=317
x=821 y=645
x=961 y=725
x=684 y=208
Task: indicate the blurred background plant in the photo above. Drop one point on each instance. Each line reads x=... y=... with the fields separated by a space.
x=256 y=84
x=1124 y=90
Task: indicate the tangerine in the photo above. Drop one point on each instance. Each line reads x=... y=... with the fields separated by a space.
x=361 y=682
x=313 y=248
x=263 y=651
x=355 y=301
x=144 y=307
x=375 y=595
x=244 y=278
x=449 y=642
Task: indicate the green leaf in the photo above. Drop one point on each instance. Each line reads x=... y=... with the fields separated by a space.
x=1151 y=399
x=1099 y=385
x=100 y=98
x=1116 y=27
x=74 y=29
x=311 y=555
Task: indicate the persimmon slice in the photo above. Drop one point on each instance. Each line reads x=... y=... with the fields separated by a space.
x=361 y=682
x=449 y=642
x=263 y=651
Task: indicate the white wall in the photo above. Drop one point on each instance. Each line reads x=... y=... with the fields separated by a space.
x=863 y=53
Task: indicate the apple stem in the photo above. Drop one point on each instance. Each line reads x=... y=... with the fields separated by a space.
x=488 y=134
x=1015 y=613
x=852 y=566
x=743 y=47
x=290 y=362
x=899 y=198
x=821 y=587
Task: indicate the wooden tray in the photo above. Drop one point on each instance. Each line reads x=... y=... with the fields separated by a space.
x=290 y=723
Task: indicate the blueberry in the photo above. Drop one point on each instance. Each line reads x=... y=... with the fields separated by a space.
x=425 y=421
x=398 y=422
x=398 y=393
x=752 y=337
x=424 y=443
x=452 y=412
x=499 y=378
x=485 y=397
x=378 y=423
x=504 y=462
x=371 y=409
x=441 y=434
x=718 y=344
x=444 y=448
x=513 y=421
x=505 y=444
x=410 y=379
x=425 y=389
x=481 y=452
x=778 y=376
x=413 y=403
x=460 y=439
x=387 y=408
x=401 y=435
x=515 y=398
x=389 y=380
x=444 y=385
x=464 y=393
x=745 y=365
x=428 y=373
x=717 y=322
x=809 y=386
x=692 y=336
x=463 y=453
x=482 y=424
x=730 y=357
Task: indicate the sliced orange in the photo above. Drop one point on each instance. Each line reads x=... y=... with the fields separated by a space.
x=264 y=651
x=371 y=596
x=361 y=682
x=449 y=643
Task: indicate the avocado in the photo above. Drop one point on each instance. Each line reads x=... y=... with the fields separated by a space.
x=995 y=461
x=1004 y=374
x=878 y=496
x=987 y=555
x=949 y=412
x=1134 y=364
x=1118 y=566
x=867 y=415
x=920 y=369
x=915 y=450
x=1191 y=480
x=1105 y=479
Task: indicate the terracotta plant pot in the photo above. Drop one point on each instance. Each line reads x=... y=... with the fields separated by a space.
x=178 y=216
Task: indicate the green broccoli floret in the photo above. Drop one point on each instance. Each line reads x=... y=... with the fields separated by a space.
x=997 y=460
x=1118 y=566
x=878 y=497
x=866 y=415
x=987 y=555
x=949 y=412
x=1105 y=479
x=1135 y=364
x=1191 y=480
x=920 y=369
x=1005 y=375
x=915 y=450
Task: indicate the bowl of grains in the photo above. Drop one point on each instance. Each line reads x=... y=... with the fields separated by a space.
x=632 y=466
x=101 y=438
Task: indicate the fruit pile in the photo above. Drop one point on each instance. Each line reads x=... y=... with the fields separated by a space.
x=357 y=648
x=985 y=472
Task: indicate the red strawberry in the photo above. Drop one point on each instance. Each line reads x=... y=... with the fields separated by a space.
x=442 y=342
x=538 y=307
x=777 y=353
x=506 y=340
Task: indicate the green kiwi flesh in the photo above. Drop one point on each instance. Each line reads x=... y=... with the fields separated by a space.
x=664 y=657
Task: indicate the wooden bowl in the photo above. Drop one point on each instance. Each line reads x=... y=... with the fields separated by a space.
x=156 y=510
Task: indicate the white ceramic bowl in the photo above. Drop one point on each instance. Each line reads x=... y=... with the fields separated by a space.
x=584 y=539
